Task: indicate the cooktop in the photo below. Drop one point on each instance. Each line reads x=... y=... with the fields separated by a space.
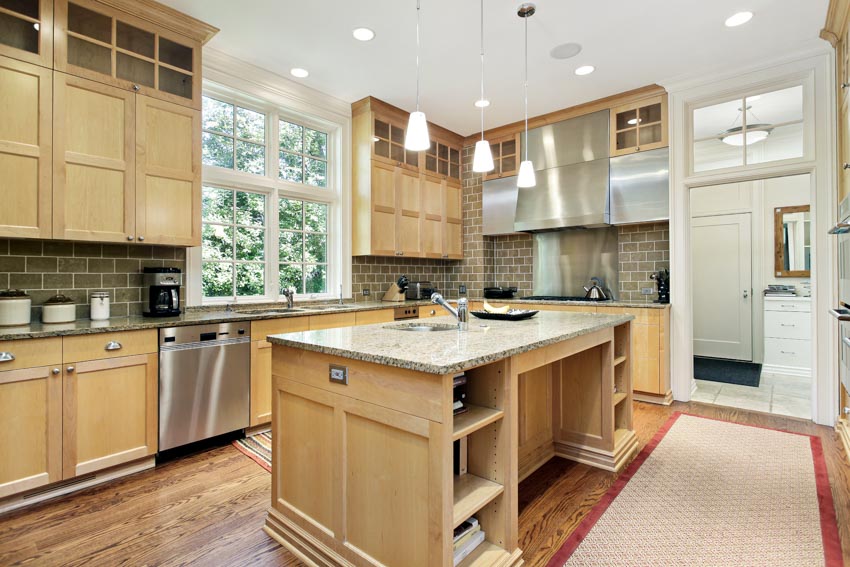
x=562 y=298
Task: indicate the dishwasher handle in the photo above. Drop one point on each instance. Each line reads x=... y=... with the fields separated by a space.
x=203 y=344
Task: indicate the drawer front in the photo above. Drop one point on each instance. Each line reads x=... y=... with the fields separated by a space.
x=789 y=304
x=261 y=329
x=788 y=352
x=374 y=316
x=29 y=353
x=790 y=325
x=109 y=345
x=332 y=320
x=428 y=311
x=643 y=315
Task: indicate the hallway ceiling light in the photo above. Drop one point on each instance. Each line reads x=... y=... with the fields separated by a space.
x=363 y=34
x=585 y=70
x=416 y=138
x=755 y=132
x=738 y=19
x=482 y=159
x=526 y=177
x=299 y=73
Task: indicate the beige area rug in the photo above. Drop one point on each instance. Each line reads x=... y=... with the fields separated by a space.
x=713 y=493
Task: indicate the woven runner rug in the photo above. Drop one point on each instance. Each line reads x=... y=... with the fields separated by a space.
x=258 y=448
x=713 y=493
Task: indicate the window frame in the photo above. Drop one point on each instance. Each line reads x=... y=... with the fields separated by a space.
x=235 y=137
x=336 y=196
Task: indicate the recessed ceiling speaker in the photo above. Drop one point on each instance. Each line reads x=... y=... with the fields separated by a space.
x=565 y=51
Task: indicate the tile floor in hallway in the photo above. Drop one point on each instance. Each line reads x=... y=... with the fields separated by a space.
x=782 y=395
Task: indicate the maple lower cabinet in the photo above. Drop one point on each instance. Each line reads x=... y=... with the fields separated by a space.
x=25 y=149
x=109 y=400
x=168 y=173
x=94 y=161
x=30 y=414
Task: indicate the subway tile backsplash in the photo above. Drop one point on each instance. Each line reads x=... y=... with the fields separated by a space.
x=44 y=268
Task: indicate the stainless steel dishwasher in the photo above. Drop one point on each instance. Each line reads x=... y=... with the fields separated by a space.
x=204 y=382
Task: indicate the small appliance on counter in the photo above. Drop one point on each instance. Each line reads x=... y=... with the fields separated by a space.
x=397 y=290
x=15 y=307
x=419 y=290
x=100 y=306
x=498 y=292
x=662 y=282
x=595 y=291
x=780 y=290
x=163 y=291
x=59 y=309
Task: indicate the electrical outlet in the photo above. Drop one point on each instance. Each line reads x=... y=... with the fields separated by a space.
x=462 y=289
x=366 y=291
x=339 y=374
x=647 y=291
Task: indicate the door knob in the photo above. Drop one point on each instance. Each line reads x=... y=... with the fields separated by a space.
x=846 y=166
x=845 y=85
x=746 y=293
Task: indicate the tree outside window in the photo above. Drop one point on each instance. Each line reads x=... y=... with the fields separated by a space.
x=303 y=155
x=303 y=246
x=233 y=243
x=233 y=137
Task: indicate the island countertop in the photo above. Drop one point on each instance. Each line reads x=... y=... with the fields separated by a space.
x=446 y=352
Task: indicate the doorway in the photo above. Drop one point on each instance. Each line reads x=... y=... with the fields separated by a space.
x=752 y=321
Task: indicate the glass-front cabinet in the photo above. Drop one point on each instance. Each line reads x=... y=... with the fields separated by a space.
x=388 y=144
x=26 y=30
x=506 y=158
x=106 y=45
x=639 y=126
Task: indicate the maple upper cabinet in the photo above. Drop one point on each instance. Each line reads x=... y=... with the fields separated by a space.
x=25 y=149
x=26 y=31
x=125 y=49
x=168 y=173
x=94 y=161
x=639 y=126
x=506 y=158
x=403 y=201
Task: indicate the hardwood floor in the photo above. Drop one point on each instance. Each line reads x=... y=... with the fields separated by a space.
x=208 y=509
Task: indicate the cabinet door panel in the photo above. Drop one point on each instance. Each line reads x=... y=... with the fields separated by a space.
x=21 y=38
x=110 y=413
x=168 y=181
x=454 y=240
x=454 y=203
x=25 y=149
x=383 y=210
x=261 y=382
x=93 y=174
x=30 y=429
x=432 y=217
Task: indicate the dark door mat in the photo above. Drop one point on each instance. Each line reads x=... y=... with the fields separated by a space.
x=727 y=371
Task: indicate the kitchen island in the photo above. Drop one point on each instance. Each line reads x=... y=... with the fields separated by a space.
x=371 y=467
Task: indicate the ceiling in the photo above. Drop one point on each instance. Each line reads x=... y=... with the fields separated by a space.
x=631 y=44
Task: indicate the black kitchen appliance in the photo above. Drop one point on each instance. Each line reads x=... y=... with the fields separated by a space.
x=419 y=290
x=163 y=291
x=499 y=292
x=565 y=298
x=662 y=282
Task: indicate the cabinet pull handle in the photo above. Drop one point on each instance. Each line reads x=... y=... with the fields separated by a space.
x=845 y=85
x=129 y=237
x=113 y=345
x=69 y=370
x=141 y=239
x=55 y=371
x=787 y=352
x=6 y=357
x=846 y=166
x=787 y=325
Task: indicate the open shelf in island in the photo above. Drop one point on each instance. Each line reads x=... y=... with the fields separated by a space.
x=474 y=419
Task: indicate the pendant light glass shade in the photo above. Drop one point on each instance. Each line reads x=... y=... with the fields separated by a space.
x=416 y=139
x=482 y=160
x=526 y=177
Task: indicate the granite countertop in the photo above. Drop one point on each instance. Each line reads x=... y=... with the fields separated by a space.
x=200 y=316
x=446 y=352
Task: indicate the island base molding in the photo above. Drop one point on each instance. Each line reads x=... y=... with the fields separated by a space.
x=663 y=399
x=612 y=461
x=842 y=427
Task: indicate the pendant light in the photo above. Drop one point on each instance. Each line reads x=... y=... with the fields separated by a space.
x=416 y=139
x=755 y=132
x=482 y=160
x=526 y=177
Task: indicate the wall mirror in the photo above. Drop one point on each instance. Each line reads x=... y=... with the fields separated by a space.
x=793 y=244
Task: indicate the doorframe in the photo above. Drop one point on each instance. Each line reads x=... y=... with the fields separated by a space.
x=814 y=66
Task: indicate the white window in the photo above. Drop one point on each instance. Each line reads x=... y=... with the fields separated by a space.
x=272 y=201
x=754 y=129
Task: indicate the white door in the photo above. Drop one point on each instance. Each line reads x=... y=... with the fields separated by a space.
x=721 y=260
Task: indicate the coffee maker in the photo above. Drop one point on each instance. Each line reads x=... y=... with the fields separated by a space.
x=163 y=291
x=662 y=280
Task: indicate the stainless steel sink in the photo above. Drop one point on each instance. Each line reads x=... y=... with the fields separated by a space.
x=326 y=307
x=272 y=311
x=423 y=327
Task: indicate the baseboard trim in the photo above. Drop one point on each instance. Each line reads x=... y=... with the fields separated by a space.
x=613 y=461
x=786 y=370
x=662 y=399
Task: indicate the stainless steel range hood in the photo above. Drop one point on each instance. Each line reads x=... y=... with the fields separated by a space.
x=572 y=166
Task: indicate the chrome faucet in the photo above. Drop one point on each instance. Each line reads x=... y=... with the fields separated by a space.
x=461 y=313
x=340 y=294
x=288 y=294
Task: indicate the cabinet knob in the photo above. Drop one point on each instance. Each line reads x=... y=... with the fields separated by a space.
x=129 y=237
x=846 y=166
x=69 y=370
x=55 y=371
x=433 y=312
x=137 y=88
x=845 y=85
x=637 y=149
x=141 y=238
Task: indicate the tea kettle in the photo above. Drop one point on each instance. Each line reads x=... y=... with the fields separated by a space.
x=595 y=291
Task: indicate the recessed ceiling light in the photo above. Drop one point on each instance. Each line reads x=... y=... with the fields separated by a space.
x=565 y=51
x=482 y=103
x=363 y=34
x=738 y=19
x=299 y=72
x=585 y=70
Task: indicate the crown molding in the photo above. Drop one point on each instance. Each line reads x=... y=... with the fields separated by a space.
x=166 y=17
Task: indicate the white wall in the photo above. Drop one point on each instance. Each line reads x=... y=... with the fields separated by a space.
x=759 y=198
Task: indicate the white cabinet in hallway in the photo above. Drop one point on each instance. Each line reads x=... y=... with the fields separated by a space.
x=788 y=335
